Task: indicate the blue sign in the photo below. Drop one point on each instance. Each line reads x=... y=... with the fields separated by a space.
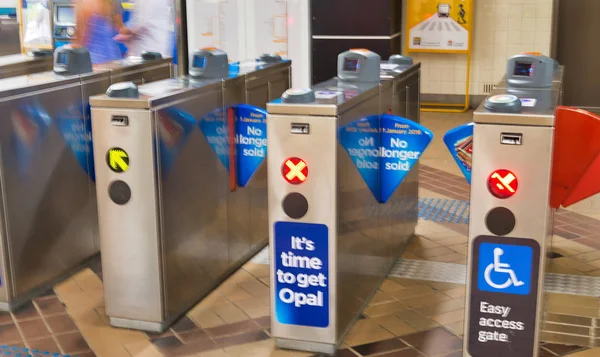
x=459 y=142
x=362 y=142
x=505 y=268
x=76 y=128
x=214 y=128
x=30 y=125
x=384 y=149
x=251 y=141
x=301 y=258
x=174 y=128
x=250 y=130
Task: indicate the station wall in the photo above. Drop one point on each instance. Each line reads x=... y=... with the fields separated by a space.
x=502 y=28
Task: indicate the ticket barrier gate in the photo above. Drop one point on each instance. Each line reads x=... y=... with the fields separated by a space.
x=191 y=208
x=149 y=67
x=49 y=225
x=334 y=166
x=404 y=77
x=21 y=64
x=531 y=156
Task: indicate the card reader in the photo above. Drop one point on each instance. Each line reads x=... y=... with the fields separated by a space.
x=209 y=63
x=70 y=60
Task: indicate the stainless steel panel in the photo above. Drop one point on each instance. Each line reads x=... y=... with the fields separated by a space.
x=131 y=251
x=238 y=199
x=206 y=229
x=364 y=236
x=542 y=114
x=49 y=212
x=9 y=33
x=354 y=93
x=370 y=235
x=321 y=191
x=192 y=203
x=19 y=65
x=532 y=160
x=138 y=71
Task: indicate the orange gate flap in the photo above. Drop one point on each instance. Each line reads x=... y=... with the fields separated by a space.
x=575 y=159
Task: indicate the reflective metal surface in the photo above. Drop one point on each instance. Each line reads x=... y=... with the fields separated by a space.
x=49 y=225
x=532 y=161
x=20 y=64
x=138 y=71
x=48 y=214
x=365 y=237
x=9 y=33
x=185 y=228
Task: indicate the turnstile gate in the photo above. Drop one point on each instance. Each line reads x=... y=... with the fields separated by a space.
x=49 y=222
x=181 y=185
x=510 y=223
x=337 y=217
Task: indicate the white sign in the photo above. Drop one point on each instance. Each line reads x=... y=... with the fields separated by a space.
x=528 y=102
x=216 y=23
x=269 y=30
x=496 y=318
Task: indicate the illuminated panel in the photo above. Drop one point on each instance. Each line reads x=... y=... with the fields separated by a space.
x=294 y=170
x=503 y=183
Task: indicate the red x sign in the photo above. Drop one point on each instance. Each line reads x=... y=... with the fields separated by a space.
x=294 y=170
x=503 y=183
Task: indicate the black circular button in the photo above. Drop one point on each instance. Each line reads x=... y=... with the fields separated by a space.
x=119 y=192
x=295 y=205
x=500 y=221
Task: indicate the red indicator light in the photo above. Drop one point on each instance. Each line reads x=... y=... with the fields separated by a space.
x=294 y=170
x=503 y=183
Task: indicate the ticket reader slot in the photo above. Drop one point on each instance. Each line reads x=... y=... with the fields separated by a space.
x=209 y=63
x=511 y=139
x=69 y=60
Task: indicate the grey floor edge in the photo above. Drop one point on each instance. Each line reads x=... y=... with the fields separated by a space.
x=456 y=273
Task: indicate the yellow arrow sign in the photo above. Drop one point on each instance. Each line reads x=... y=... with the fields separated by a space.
x=117 y=160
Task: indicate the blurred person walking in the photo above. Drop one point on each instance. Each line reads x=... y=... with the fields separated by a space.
x=97 y=24
x=150 y=28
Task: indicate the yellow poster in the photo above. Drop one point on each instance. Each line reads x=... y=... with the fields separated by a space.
x=439 y=25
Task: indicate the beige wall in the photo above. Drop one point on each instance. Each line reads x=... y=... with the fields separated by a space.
x=502 y=28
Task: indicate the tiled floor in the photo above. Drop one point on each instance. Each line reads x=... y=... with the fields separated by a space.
x=406 y=317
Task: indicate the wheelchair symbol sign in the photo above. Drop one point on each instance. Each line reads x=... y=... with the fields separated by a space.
x=505 y=268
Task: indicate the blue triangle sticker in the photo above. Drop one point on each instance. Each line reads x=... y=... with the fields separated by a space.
x=459 y=142
x=384 y=149
x=75 y=126
x=251 y=141
x=214 y=128
x=362 y=141
x=402 y=143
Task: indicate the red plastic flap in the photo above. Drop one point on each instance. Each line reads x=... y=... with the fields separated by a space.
x=575 y=158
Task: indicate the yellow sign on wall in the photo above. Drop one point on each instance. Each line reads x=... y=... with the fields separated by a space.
x=439 y=25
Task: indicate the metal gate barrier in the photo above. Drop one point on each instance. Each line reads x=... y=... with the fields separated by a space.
x=182 y=190
x=529 y=156
x=338 y=220
x=49 y=224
